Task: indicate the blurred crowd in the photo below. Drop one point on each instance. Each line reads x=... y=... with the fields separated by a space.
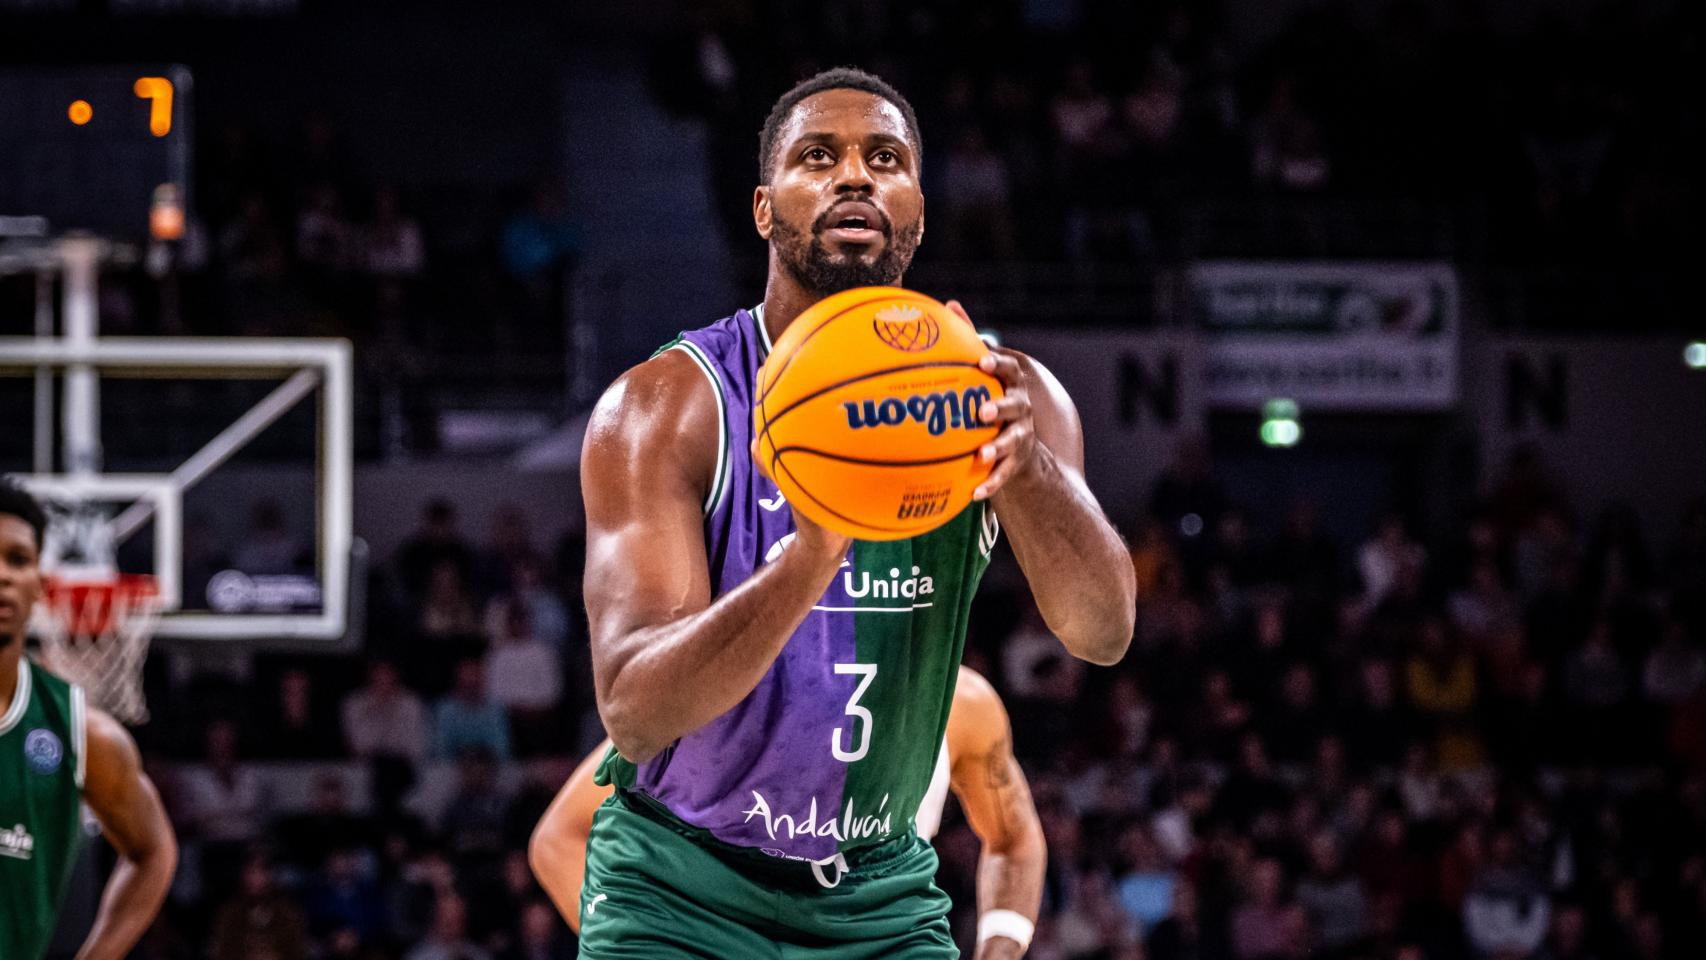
x=1084 y=130
x=1484 y=742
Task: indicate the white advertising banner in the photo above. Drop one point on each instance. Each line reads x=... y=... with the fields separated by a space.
x=1331 y=336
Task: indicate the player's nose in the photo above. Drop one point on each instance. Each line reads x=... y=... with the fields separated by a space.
x=853 y=174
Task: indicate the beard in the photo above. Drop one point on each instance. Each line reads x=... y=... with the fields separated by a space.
x=809 y=261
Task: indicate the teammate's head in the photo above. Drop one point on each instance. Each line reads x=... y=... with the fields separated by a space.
x=839 y=199
x=22 y=523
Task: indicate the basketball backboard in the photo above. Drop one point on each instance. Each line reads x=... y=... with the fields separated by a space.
x=194 y=460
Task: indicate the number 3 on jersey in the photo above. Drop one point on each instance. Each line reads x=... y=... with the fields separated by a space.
x=866 y=672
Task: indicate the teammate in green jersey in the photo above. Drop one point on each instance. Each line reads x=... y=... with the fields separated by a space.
x=57 y=754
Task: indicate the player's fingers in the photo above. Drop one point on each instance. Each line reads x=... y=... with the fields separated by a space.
x=1002 y=366
x=1004 y=445
x=1012 y=407
x=758 y=461
x=996 y=479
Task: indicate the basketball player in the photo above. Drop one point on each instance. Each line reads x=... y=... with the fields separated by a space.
x=57 y=754
x=976 y=762
x=775 y=721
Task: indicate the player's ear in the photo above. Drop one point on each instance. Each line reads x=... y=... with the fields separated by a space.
x=761 y=210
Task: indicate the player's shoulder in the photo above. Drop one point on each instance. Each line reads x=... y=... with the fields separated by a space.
x=976 y=706
x=667 y=394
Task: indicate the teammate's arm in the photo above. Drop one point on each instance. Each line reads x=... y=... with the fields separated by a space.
x=666 y=660
x=997 y=803
x=128 y=807
x=1078 y=569
x=557 y=851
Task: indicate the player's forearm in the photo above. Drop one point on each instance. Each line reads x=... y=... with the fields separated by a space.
x=1010 y=877
x=669 y=680
x=132 y=898
x=1077 y=567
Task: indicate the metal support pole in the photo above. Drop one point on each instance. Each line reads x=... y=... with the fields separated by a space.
x=42 y=438
x=81 y=256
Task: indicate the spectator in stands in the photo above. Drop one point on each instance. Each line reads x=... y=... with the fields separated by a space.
x=1675 y=669
x=547 y=618
x=525 y=677
x=384 y=718
x=509 y=542
x=1507 y=911
x=268 y=547
x=325 y=239
x=447 y=939
x=473 y=821
x=1146 y=886
x=1375 y=725
x=542 y=935
x=343 y=897
x=1288 y=150
x=1333 y=897
x=1267 y=925
x=447 y=613
x=222 y=808
x=391 y=245
x=436 y=541
x=258 y=919
x=1380 y=558
x=977 y=195
x=295 y=726
x=1596 y=685
x=1186 y=498
x=1440 y=678
x=330 y=824
x=468 y=718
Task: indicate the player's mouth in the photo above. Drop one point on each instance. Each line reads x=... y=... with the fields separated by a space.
x=854 y=222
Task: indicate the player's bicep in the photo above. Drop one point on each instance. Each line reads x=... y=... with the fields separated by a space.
x=119 y=793
x=645 y=466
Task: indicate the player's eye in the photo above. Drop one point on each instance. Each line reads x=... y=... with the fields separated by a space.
x=815 y=155
x=885 y=156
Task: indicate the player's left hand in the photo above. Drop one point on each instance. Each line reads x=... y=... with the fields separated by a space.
x=1014 y=448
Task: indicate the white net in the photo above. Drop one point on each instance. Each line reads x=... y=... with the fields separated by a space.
x=95 y=632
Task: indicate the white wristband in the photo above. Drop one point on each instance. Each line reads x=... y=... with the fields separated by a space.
x=1005 y=923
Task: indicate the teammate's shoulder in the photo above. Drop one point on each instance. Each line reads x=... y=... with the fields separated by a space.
x=974 y=690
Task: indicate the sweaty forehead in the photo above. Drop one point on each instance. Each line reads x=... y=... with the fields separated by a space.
x=853 y=114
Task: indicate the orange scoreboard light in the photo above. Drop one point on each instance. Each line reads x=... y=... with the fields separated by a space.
x=90 y=148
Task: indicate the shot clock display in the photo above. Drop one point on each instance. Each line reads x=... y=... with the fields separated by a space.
x=90 y=148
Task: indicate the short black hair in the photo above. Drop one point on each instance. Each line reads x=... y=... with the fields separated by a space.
x=15 y=501
x=836 y=78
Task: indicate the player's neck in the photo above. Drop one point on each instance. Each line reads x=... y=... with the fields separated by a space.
x=10 y=654
x=784 y=299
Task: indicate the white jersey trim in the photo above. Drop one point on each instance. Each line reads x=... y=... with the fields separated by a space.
x=930 y=809
x=79 y=730
x=720 y=478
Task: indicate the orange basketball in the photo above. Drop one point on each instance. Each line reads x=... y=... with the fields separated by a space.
x=867 y=413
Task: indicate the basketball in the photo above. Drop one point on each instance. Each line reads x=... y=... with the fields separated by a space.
x=867 y=413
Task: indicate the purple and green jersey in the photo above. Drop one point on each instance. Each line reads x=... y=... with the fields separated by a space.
x=835 y=747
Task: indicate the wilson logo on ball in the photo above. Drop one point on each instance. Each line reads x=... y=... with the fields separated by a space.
x=939 y=412
x=906 y=328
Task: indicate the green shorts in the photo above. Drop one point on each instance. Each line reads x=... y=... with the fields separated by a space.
x=653 y=892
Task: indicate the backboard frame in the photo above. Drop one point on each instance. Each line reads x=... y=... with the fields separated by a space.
x=308 y=364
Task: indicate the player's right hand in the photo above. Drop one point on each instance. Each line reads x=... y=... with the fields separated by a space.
x=814 y=538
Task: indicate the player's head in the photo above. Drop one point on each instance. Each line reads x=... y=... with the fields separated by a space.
x=839 y=196
x=22 y=523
